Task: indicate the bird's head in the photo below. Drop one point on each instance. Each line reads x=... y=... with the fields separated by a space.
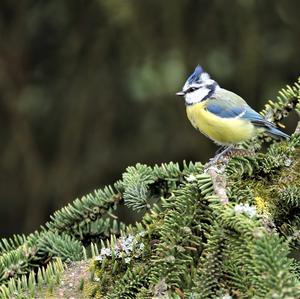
x=198 y=87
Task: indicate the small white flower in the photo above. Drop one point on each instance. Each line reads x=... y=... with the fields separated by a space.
x=116 y=250
x=129 y=239
x=126 y=243
x=142 y=233
x=246 y=209
x=123 y=248
x=191 y=178
x=105 y=251
x=99 y=258
x=127 y=260
x=238 y=209
x=250 y=211
x=288 y=162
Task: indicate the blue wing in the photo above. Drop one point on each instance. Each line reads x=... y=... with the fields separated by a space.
x=228 y=110
x=224 y=111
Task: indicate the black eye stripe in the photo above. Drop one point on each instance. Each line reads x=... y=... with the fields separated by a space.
x=210 y=87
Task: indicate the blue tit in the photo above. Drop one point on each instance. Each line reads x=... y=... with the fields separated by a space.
x=220 y=114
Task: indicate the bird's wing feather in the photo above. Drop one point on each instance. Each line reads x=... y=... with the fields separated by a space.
x=225 y=111
x=227 y=104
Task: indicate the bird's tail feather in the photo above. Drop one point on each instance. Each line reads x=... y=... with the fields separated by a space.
x=276 y=133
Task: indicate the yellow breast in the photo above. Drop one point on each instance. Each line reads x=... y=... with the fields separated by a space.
x=224 y=131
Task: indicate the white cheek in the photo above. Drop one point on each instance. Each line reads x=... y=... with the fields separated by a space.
x=197 y=96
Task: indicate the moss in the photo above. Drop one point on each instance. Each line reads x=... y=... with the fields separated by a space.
x=264 y=190
x=91 y=290
x=106 y=279
x=262 y=205
x=115 y=266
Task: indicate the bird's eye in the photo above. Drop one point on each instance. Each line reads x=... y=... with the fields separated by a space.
x=191 y=89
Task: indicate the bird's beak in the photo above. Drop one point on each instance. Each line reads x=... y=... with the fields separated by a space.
x=180 y=93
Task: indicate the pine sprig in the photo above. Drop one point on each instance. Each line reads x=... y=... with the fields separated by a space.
x=178 y=237
x=27 y=286
x=287 y=100
x=35 y=251
x=73 y=218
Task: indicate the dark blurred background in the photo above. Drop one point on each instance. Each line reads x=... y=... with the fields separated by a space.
x=87 y=87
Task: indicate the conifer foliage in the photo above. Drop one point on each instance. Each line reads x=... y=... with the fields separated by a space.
x=189 y=243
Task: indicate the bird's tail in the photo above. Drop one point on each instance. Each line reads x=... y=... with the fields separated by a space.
x=276 y=133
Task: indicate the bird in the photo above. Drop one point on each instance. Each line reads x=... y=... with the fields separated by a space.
x=222 y=115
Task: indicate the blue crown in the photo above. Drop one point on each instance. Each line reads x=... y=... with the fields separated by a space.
x=195 y=76
x=198 y=75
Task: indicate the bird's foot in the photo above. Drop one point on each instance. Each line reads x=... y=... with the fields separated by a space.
x=223 y=154
x=220 y=156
